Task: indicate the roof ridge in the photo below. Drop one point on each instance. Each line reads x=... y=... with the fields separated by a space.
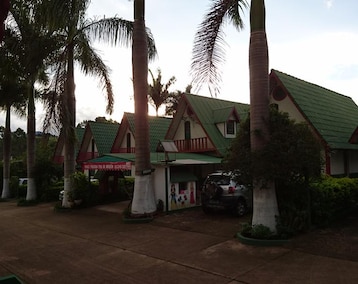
x=310 y=83
x=216 y=99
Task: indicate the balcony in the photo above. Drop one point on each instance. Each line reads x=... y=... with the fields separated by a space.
x=125 y=150
x=193 y=145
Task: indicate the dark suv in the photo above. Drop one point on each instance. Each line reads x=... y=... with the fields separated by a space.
x=222 y=190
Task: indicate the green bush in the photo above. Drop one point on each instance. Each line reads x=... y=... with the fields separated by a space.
x=51 y=193
x=333 y=199
x=85 y=190
x=259 y=232
x=24 y=202
x=294 y=208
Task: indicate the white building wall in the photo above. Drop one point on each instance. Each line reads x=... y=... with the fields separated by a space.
x=159 y=184
x=337 y=162
x=286 y=105
x=353 y=162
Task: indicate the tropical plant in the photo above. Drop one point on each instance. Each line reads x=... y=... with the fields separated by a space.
x=158 y=93
x=264 y=192
x=173 y=100
x=67 y=17
x=143 y=197
x=292 y=158
x=12 y=94
x=208 y=53
x=4 y=9
x=34 y=45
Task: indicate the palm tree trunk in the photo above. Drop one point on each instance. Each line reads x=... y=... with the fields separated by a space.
x=265 y=207
x=6 y=155
x=31 y=127
x=68 y=123
x=143 y=197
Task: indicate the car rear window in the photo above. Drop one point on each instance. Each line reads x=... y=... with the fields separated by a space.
x=220 y=180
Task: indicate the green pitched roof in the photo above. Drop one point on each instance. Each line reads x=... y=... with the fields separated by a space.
x=79 y=136
x=103 y=135
x=334 y=116
x=158 y=127
x=211 y=111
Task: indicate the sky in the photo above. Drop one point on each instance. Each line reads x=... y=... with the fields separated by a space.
x=314 y=40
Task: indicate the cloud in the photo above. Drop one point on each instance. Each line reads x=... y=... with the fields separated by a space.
x=328 y=3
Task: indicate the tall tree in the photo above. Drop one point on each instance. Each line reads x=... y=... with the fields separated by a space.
x=4 y=9
x=12 y=94
x=173 y=100
x=35 y=45
x=208 y=54
x=158 y=93
x=264 y=193
x=143 y=198
x=77 y=32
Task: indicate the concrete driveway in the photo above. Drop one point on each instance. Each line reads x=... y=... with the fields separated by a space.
x=94 y=246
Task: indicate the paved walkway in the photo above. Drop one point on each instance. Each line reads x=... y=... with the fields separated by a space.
x=94 y=246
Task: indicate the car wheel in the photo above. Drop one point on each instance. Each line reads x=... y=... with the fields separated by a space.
x=240 y=208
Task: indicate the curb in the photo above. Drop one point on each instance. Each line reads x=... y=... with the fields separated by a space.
x=261 y=243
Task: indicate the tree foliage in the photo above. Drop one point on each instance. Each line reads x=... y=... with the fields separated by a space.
x=173 y=100
x=292 y=154
x=158 y=93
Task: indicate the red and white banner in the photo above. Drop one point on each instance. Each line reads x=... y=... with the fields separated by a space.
x=107 y=166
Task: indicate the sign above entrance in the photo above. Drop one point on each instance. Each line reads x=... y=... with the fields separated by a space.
x=107 y=166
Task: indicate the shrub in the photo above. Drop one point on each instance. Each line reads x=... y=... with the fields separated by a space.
x=333 y=199
x=294 y=207
x=24 y=202
x=52 y=193
x=259 y=232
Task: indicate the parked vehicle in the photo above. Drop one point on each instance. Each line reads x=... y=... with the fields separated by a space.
x=23 y=181
x=224 y=191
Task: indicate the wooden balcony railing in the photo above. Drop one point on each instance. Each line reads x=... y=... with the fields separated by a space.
x=193 y=145
x=125 y=150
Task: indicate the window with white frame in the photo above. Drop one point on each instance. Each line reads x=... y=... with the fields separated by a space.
x=231 y=128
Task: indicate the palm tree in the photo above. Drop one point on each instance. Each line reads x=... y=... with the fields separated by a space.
x=143 y=198
x=34 y=45
x=208 y=54
x=159 y=93
x=12 y=94
x=264 y=192
x=67 y=17
x=173 y=100
x=4 y=9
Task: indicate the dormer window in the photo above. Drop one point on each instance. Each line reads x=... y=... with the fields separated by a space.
x=230 y=129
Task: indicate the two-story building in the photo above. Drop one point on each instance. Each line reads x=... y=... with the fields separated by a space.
x=187 y=147
x=332 y=117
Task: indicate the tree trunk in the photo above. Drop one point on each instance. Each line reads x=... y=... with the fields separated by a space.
x=143 y=198
x=6 y=155
x=31 y=144
x=68 y=124
x=265 y=208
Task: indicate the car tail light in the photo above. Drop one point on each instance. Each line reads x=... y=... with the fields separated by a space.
x=231 y=189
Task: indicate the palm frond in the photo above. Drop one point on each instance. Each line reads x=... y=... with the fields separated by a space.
x=209 y=43
x=116 y=31
x=92 y=64
x=110 y=30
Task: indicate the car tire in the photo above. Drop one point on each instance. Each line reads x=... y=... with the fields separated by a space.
x=240 y=208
